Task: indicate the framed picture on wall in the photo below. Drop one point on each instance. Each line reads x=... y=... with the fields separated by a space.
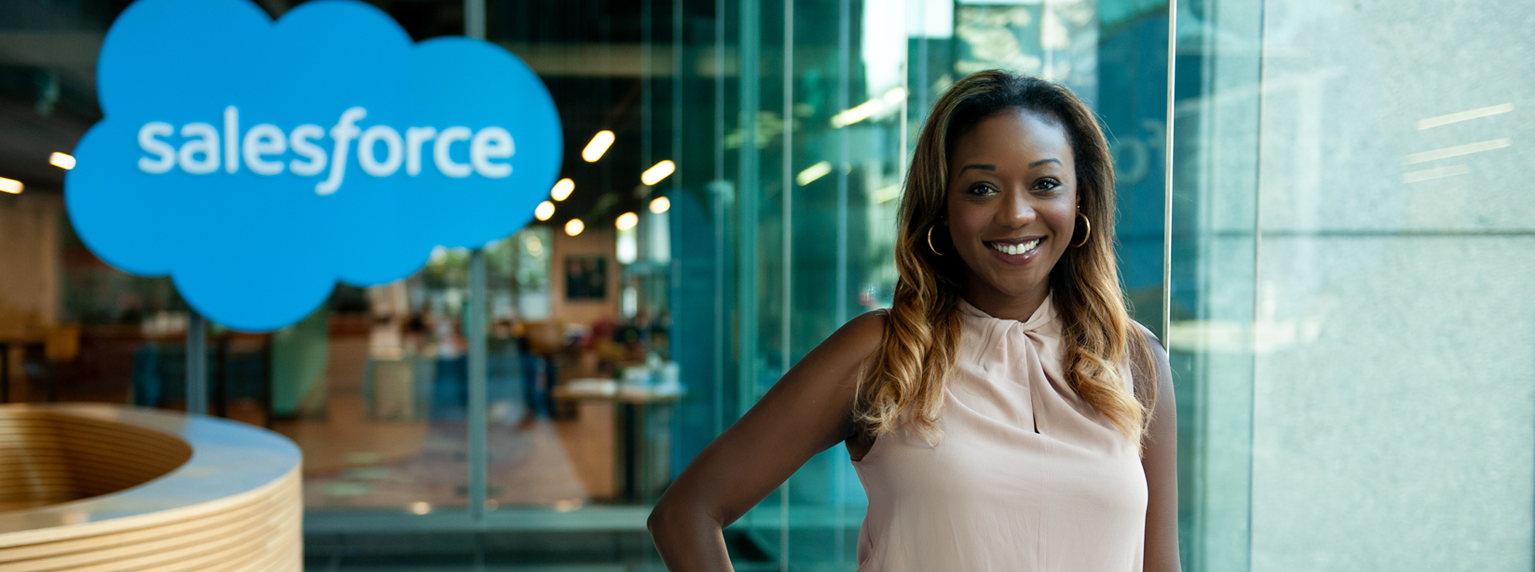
x=586 y=277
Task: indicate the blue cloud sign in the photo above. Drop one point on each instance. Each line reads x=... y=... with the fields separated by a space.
x=258 y=163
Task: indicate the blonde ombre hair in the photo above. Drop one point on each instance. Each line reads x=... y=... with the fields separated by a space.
x=904 y=379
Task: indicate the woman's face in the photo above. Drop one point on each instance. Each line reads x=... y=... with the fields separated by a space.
x=1012 y=203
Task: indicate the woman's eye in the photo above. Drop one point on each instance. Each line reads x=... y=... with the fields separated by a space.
x=1047 y=184
x=982 y=189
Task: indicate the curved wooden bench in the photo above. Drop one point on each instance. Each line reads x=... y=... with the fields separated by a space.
x=105 y=488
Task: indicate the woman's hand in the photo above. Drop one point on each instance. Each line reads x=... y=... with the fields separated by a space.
x=808 y=411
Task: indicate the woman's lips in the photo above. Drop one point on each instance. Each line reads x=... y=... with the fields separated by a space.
x=1015 y=251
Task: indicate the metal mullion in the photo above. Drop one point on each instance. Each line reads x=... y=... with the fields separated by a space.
x=748 y=211
x=1167 y=167
x=786 y=357
x=844 y=63
x=474 y=321
x=197 y=363
x=719 y=217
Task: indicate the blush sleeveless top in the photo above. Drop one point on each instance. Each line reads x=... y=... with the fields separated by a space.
x=1028 y=476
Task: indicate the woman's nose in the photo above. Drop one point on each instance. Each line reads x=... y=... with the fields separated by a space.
x=1015 y=210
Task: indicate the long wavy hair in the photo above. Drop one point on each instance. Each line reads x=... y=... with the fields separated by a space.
x=903 y=380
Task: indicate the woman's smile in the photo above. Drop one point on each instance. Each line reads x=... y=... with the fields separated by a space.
x=1016 y=251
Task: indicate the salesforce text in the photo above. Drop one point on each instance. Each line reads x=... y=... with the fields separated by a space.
x=199 y=153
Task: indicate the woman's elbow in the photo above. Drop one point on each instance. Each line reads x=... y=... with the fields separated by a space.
x=670 y=514
x=677 y=514
x=658 y=518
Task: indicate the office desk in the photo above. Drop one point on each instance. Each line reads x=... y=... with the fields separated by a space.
x=642 y=434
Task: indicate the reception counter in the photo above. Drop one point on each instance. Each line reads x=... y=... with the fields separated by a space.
x=107 y=488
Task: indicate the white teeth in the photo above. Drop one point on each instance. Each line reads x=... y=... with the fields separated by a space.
x=1015 y=248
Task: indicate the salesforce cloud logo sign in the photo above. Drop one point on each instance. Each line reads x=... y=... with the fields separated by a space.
x=258 y=162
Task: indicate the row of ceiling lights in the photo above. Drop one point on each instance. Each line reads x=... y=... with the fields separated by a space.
x=594 y=150
x=545 y=211
x=61 y=160
x=597 y=147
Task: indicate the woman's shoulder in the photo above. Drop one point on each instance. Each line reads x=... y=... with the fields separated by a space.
x=828 y=374
x=843 y=353
x=1144 y=334
x=1150 y=365
x=860 y=335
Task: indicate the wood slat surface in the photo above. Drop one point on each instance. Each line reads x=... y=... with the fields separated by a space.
x=148 y=536
x=98 y=488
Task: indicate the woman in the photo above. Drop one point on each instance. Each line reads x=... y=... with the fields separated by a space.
x=1005 y=413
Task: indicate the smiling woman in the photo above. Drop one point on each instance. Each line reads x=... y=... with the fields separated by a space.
x=1005 y=403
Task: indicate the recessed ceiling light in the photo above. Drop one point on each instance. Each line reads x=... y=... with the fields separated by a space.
x=660 y=205
x=598 y=145
x=626 y=221
x=658 y=173
x=562 y=189
x=62 y=160
x=813 y=172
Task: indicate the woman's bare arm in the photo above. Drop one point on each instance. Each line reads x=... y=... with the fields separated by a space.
x=1161 y=466
x=806 y=412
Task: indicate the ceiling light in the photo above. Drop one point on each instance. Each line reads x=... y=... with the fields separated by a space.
x=11 y=186
x=574 y=227
x=544 y=211
x=563 y=189
x=813 y=172
x=1477 y=113
x=657 y=173
x=863 y=111
x=599 y=145
x=868 y=108
x=62 y=160
x=626 y=221
x=1458 y=150
x=660 y=205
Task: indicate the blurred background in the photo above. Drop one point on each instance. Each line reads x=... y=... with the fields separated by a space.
x=1343 y=285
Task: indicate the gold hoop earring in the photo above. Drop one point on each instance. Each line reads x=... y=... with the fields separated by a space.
x=930 y=240
x=1089 y=233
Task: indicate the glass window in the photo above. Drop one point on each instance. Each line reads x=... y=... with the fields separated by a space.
x=1349 y=259
x=1335 y=261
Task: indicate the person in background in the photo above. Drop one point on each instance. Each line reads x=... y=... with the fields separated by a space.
x=1005 y=413
x=540 y=342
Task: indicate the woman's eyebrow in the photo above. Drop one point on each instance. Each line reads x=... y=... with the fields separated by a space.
x=1043 y=161
x=982 y=167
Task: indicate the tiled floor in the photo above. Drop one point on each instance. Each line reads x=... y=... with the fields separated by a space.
x=425 y=467
x=458 y=564
x=527 y=551
x=354 y=460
